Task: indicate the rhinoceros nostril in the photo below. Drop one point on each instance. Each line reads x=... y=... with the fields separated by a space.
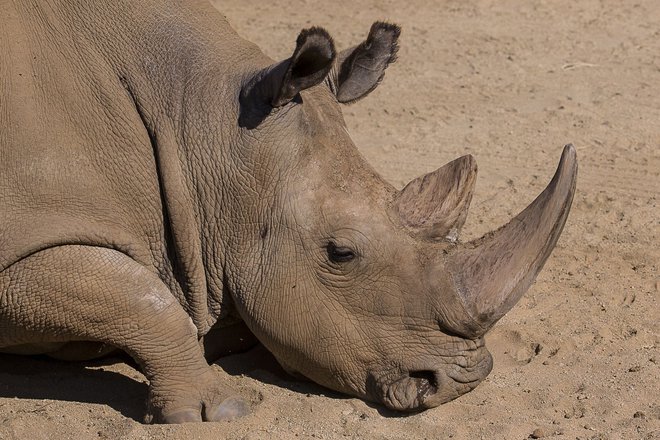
x=426 y=381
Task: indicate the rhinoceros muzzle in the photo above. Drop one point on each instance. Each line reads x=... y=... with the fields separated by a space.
x=419 y=389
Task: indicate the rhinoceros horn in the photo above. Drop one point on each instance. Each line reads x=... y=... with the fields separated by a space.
x=435 y=205
x=490 y=274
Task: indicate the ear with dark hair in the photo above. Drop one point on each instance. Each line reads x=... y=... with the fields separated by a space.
x=310 y=63
x=360 y=69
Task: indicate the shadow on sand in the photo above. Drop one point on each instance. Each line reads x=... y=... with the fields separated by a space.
x=259 y=364
x=40 y=377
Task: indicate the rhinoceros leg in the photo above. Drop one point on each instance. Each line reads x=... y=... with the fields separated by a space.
x=84 y=293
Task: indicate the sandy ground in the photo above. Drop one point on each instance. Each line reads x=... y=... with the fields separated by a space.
x=510 y=82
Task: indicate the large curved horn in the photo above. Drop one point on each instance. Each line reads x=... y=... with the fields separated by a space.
x=435 y=206
x=492 y=273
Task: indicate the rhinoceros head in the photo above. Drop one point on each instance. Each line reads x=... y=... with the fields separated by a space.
x=351 y=283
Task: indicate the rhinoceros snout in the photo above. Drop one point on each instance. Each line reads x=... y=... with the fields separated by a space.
x=450 y=383
x=416 y=390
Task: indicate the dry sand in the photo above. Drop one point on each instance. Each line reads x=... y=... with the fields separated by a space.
x=510 y=82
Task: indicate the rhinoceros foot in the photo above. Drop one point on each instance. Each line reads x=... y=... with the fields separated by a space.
x=207 y=399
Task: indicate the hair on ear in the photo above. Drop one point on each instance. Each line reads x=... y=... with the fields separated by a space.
x=387 y=36
x=308 y=66
x=280 y=83
x=362 y=68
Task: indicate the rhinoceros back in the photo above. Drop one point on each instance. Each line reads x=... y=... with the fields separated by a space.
x=76 y=163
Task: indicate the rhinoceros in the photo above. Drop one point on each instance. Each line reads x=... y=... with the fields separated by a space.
x=167 y=189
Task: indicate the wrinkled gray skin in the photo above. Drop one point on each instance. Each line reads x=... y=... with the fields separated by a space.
x=162 y=180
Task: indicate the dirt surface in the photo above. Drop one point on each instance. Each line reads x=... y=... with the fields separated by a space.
x=510 y=82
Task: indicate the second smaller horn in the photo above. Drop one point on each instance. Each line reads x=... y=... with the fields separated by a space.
x=435 y=206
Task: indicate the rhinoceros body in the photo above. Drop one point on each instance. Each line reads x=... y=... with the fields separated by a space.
x=161 y=180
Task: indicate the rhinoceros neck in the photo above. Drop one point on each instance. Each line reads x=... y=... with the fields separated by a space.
x=182 y=66
x=186 y=83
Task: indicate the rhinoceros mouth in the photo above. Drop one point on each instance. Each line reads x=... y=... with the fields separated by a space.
x=419 y=389
x=426 y=383
x=411 y=391
x=424 y=389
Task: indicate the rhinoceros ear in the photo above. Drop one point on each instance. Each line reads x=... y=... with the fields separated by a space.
x=308 y=66
x=435 y=206
x=360 y=69
x=310 y=63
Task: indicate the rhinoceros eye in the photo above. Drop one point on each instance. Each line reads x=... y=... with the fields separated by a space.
x=338 y=254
